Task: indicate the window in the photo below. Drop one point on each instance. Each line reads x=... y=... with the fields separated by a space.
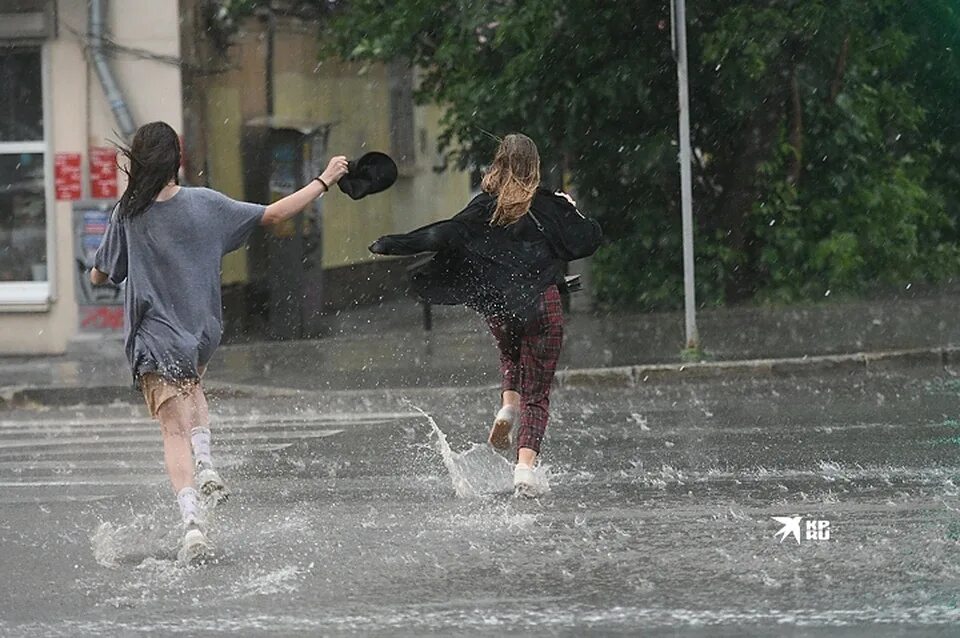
x=23 y=155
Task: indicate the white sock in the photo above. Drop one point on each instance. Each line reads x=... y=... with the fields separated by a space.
x=200 y=438
x=189 y=505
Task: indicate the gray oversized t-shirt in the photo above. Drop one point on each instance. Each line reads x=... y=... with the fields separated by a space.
x=170 y=258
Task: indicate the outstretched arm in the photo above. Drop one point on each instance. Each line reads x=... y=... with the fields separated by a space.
x=445 y=235
x=439 y=236
x=287 y=207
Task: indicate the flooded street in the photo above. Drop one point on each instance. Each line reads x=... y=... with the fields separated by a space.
x=350 y=515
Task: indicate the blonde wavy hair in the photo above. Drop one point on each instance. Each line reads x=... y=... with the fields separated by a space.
x=513 y=178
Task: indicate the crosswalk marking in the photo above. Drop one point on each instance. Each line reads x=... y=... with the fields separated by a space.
x=145 y=449
x=134 y=438
x=252 y=419
x=85 y=458
x=151 y=428
x=69 y=466
x=22 y=499
x=143 y=480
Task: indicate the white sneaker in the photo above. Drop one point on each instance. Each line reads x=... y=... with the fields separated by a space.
x=195 y=547
x=524 y=481
x=501 y=434
x=210 y=484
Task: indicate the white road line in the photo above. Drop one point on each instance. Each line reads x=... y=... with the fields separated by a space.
x=146 y=461
x=106 y=440
x=153 y=427
x=63 y=465
x=145 y=480
x=151 y=450
x=252 y=418
x=51 y=454
x=55 y=498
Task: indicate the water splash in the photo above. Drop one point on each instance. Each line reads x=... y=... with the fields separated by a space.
x=135 y=540
x=261 y=582
x=477 y=471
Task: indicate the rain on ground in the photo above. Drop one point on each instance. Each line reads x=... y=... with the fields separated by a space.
x=354 y=514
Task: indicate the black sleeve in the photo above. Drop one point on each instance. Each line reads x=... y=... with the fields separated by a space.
x=446 y=235
x=570 y=233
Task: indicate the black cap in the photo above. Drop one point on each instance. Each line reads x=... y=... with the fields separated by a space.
x=372 y=173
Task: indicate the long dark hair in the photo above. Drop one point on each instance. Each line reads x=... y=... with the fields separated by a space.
x=153 y=159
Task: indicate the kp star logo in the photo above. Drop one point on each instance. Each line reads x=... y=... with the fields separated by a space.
x=791 y=525
x=817 y=530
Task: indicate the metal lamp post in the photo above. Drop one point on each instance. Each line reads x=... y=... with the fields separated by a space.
x=679 y=37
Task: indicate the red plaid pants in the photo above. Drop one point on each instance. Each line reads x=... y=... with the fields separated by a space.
x=528 y=359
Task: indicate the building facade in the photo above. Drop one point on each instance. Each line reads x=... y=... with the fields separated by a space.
x=57 y=158
x=258 y=114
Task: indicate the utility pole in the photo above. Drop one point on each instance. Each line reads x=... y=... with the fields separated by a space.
x=679 y=23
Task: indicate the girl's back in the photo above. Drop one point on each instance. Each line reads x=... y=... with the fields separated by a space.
x=170 y=256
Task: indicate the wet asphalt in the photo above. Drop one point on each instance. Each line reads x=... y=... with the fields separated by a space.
x=345 y=517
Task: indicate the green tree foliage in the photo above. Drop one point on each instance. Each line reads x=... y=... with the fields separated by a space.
x=826 y=132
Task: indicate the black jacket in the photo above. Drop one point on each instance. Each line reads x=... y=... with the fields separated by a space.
x=496 y=270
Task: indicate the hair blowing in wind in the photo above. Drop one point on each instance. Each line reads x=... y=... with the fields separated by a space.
x=513 y=178
x=153 y=159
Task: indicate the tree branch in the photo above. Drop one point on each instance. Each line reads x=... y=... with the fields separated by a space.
x=838 y=70
x=796 y=129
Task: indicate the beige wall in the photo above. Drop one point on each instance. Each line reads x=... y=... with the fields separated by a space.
x=78 y=117
x=355 y=99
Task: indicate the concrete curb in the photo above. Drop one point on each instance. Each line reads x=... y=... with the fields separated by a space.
x=65 y=396
x=861 y=363
x=857 y=363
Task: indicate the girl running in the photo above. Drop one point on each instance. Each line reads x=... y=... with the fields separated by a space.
x=504 y=255
x=166 y=242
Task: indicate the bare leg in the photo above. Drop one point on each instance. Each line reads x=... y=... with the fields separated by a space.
x=200 y=427
x=208 y=479
x=200 y=408
x=510 y=398
x=174 y=417
x=526 y=456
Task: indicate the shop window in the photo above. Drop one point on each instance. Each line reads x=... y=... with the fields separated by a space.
x=23 y=205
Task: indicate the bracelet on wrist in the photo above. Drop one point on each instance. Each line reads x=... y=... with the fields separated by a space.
x=326 y=187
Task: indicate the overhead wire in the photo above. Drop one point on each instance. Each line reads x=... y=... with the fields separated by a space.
x=114 y=47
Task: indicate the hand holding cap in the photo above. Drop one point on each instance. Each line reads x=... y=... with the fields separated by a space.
x=337 y=167
x=372 y=173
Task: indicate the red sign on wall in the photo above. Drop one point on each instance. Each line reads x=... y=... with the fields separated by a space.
x=103 y=173
x=66 y=167
x=107 y=318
